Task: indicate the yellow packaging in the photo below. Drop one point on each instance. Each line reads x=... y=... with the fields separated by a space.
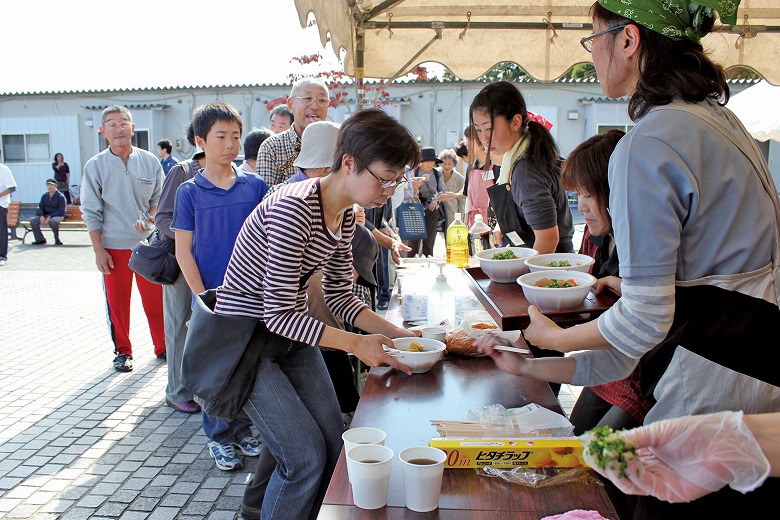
x=510 y=453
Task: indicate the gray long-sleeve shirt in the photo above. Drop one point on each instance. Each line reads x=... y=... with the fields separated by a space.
x=113 y=195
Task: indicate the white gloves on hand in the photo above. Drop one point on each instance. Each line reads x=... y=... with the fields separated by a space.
x=680 y=460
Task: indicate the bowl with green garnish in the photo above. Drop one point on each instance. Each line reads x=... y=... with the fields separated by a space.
x=556 y=290
x=505 y=264
x=560 y=262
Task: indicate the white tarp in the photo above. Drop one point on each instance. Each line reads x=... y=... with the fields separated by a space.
x=471 y=36
x=758 y=107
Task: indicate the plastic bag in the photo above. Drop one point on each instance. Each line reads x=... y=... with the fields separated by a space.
x=530 y=420
x=474 y=322
x=541 y=477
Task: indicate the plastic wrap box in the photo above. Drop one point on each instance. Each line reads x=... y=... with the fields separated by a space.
x=510 y=453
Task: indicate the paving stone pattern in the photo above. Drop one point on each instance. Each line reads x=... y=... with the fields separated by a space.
x=79 y=440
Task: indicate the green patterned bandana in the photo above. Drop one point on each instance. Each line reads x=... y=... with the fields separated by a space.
x=675 y=19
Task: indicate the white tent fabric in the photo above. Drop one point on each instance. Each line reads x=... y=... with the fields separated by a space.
x=387 y=38
x=758 y=107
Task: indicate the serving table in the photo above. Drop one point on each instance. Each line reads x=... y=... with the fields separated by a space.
x=403 y=406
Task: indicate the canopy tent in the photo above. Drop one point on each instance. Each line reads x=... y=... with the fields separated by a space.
x=388 y=38
x=758 y=107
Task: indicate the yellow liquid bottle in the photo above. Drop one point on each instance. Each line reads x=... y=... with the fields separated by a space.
x=458 y=243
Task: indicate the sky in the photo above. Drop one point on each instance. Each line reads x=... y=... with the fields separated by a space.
x=61 y=45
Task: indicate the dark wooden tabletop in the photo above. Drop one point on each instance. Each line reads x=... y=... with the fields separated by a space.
x=508 y=306
x=403 y=406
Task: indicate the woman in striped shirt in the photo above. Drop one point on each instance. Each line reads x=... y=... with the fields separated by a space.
x=301 y=229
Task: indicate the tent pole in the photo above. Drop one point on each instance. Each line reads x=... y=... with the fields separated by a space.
x=359 y=66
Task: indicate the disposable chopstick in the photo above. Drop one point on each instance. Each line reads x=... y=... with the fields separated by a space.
x=507 y=348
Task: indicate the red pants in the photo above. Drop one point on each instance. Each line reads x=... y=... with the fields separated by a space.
x=118 y=287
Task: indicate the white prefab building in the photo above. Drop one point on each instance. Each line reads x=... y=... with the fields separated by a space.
x=35 y=126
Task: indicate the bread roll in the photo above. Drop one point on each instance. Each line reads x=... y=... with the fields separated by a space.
x=459 y=343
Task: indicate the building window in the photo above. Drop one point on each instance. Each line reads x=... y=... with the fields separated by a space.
x=600 y=129
x=26 y=148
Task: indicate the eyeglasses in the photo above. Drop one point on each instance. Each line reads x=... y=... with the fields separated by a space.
x=308 y=100
x=385 y=184
x=587 y=42
x=112 y=125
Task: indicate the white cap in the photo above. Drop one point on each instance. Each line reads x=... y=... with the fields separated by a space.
x=318 y=145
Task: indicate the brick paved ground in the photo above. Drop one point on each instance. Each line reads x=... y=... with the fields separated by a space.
x=79 y=440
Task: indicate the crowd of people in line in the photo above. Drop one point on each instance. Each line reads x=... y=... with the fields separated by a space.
x=681 y=216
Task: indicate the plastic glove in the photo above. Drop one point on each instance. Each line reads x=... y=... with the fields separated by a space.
x=680 y=460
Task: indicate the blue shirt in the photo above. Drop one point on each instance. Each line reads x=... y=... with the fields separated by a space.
x=168 y=163
x=214 y=216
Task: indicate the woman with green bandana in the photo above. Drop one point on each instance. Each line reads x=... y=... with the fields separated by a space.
x=695 y=215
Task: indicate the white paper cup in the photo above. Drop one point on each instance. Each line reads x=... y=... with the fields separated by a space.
x=362 y=435
x=423 y=469
x=368 y=467
x=437 y=333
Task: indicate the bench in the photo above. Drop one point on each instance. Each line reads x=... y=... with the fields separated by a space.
x=72 y=221
x=14 y=208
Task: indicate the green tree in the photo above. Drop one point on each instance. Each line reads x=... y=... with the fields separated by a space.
x=742 y=73
x=505 y=71
x=580 y=71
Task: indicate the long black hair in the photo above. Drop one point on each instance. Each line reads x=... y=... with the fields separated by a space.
x=503 y=99
x=669 y=69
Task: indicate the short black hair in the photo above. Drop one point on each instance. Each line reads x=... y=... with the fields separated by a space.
x=204 y=117
x=371 y=135
x=282 y=110
x=253 y=140
x=166 y=145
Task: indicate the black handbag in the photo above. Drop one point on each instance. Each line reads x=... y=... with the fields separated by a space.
x=155 y=259
x=222 y=356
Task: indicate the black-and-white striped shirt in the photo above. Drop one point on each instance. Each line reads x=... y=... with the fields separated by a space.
x=282 y=240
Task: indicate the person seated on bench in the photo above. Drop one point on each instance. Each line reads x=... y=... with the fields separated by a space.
x=50 y=212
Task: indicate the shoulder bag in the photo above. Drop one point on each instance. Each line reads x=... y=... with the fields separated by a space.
x=222 y=356
x=154 y=258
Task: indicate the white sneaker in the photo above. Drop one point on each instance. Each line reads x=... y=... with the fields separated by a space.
x=224 y=455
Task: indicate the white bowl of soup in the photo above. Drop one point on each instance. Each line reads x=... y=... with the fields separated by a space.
x=505 y=264
x=560 y=262
x=419 y=354
x=556 y=290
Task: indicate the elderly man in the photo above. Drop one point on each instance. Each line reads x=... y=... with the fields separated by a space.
x=50 y=212
x=309 y=103
x=119 y=195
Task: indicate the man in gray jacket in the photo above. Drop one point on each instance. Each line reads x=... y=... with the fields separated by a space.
x=119 y=194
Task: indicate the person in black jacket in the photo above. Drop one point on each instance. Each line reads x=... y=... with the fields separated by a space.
x=50 y=212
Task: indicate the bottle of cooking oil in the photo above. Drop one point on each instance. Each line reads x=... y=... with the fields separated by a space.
x=458 y=243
